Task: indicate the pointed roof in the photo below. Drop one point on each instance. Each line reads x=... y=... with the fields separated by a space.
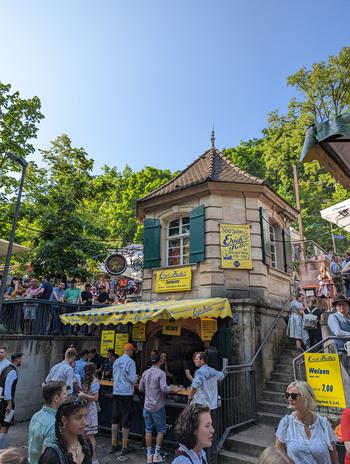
x=211 y=166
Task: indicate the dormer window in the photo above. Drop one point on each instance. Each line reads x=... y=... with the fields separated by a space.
x=178 y=241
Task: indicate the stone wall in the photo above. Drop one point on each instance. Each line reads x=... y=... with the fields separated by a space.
x=254 y=320
x=39 y=355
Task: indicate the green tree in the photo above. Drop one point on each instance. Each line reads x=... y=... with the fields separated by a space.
x=64 y=241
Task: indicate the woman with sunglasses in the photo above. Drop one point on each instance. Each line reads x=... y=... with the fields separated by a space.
x=306 y=437
x=194 y=432
x=70 y=446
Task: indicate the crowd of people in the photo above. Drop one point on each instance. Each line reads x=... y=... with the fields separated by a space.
x=64 y=430
x=103 y=291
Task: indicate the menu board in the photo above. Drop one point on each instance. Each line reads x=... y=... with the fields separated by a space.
x=107 y=341
x=208 y=328
x=139 y=332
x=120 y=341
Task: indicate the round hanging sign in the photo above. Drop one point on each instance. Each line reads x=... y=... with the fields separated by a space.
x=116 y=264
x=137 y=264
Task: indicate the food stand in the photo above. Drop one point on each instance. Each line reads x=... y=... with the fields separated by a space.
x=178 y=328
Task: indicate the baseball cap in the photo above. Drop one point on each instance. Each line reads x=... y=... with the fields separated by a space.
x=155 y=358
x=129 y=346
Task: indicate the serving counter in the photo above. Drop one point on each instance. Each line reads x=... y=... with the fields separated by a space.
x=174 y=404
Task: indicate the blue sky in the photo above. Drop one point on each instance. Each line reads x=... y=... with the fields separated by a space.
x=141 y=82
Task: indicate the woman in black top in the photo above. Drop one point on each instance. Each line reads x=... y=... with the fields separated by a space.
x=70 y=446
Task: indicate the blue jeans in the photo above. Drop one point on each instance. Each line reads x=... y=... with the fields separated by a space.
x=156 y=419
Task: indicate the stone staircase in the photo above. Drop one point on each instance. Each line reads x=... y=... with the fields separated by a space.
x=246 y=446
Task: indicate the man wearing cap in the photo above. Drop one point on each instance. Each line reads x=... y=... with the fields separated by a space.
x=124 y=379
x=339 y=322
x=153 y=383
x=8 y=383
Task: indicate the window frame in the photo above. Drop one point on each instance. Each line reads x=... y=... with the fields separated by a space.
x=273 y=247
x=180 y=236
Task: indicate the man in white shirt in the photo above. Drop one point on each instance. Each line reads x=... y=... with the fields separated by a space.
x=64 y=370
x=339 y=322
x=4 y=362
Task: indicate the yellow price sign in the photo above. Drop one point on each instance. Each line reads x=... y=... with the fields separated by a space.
x=323 y=374
x=139 y=332
x=171 y=328
x=208 y=328
x=120 y=341
x=107 y=341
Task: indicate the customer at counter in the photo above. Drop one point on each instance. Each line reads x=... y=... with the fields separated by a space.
x=164 y=366
x=95 y=358
x=154 y=384
x=124 y=379
x=190 y=368
x=204 y=388
x=107 y=371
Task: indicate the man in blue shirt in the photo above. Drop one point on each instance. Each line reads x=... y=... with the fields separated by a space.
x=42 y=424
x=124 y=379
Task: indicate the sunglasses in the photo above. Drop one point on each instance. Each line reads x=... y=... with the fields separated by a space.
x=294 y=396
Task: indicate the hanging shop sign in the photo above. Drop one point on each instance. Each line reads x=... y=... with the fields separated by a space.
x=139 y=332
x=107 y=341
x=137 y=264
x=174 y=280
x=208 y=328
x=171 y=328
x=236 y=250
x=323 y=374
x=116 y=264
x=120 y=341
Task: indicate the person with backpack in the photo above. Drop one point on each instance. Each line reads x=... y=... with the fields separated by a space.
x=312 y=316
x=194 y=432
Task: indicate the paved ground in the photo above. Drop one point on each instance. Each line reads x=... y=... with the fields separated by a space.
x=18 y=437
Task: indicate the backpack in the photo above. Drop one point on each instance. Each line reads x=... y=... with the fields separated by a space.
x=310 y=320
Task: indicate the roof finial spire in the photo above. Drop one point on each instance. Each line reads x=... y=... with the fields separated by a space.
x=212 y=138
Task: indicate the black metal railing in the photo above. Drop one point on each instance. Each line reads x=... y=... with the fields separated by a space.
x=238 y=391
x=40 y=317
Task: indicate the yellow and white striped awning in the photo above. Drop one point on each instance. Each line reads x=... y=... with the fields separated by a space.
x=151 y=311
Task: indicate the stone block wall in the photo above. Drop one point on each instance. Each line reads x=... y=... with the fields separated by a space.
x=39 y=355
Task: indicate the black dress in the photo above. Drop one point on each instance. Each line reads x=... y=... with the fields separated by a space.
x=54 y=454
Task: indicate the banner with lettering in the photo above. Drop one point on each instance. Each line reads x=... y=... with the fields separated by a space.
x=107 y=341
x=323 y=374
x=171 y=328
x=174 y=280
x=120 y=341
x=236 y=251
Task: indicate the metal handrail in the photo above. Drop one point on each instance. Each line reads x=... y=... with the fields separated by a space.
x=258 y=351
x=314 y=347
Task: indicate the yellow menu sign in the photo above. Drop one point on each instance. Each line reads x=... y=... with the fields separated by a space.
x=323 y=374
x=139 y=332
x=171 y=328
x=120 y=341
x=174 y=280
x=208 y=328
x=236 y=250
x=107 y=341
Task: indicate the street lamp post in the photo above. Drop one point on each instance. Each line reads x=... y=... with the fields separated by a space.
x=24 y=165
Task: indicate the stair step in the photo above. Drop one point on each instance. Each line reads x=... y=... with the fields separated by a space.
x=272 y=407
x=284 y=368
x=269 y=418
x=230 y=457
x=277 y=386
x=289 y=353
x=281 y=377
x=285 y=360
x=274 y=396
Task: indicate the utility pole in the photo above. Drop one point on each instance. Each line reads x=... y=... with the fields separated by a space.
x=300 y=223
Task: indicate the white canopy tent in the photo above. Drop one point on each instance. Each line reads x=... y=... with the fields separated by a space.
x=338 y=214
x=16 y=248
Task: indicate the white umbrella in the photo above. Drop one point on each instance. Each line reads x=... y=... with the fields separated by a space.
x=16 y=248
x=338 y=214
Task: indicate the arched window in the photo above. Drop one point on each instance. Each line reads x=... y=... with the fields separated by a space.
x=178 y=241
